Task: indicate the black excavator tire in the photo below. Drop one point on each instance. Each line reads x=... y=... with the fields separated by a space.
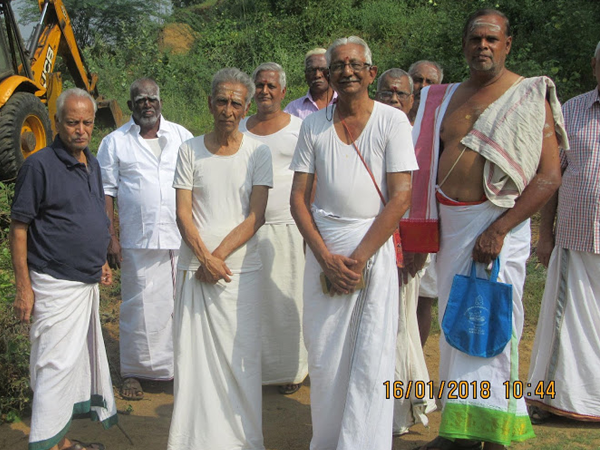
x=22 y=112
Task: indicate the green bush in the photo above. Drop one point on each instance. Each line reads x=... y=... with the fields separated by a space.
x=15 y=394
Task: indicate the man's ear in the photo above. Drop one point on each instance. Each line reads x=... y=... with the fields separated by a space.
x=247 y=108
x=130 y=105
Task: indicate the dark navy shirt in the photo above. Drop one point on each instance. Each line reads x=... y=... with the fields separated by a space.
x=62 y=200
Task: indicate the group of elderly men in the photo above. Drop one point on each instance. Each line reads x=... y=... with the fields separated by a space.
x=211 y=270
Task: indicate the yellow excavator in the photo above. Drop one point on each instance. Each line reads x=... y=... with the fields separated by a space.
x=29 y=86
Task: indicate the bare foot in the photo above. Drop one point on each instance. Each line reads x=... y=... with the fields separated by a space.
x=132 y=389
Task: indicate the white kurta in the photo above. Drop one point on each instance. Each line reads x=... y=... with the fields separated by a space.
x=218 y=397
x=566 y=350
x=142 y=181
x=69 y=367
x=281 y=250
x=351 y=338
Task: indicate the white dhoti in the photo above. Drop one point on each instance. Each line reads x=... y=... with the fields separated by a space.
x=566 y=350
x=351 y=344
x=481 y=415
x=69 y=368
x=411 y=369
x=145 y=323
x=216 y=336
x=284 y=357
x=428 y=283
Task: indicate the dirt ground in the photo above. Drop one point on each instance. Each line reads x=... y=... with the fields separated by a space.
x=286 y=419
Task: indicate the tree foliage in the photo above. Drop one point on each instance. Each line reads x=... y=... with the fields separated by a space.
x=108 y=20
x=554 y=37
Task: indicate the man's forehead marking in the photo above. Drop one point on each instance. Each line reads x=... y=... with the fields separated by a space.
x=142 y=95
x=482 y=23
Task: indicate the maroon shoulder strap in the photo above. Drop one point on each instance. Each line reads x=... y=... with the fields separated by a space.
x=362 y=159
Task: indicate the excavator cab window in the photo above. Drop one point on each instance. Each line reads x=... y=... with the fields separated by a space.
x=6 y=67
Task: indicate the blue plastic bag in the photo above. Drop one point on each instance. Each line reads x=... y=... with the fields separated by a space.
x=478 y=316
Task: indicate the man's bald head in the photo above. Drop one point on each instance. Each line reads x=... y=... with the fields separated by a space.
x=425 y=73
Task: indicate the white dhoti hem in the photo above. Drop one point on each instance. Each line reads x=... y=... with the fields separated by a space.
x=216 y=337
x=69 y=368
x=470 y=415
x=428 y=283
x=284 y=357
x=145 y=323
x=411 y=369
x=566 y=350
x=351 y=344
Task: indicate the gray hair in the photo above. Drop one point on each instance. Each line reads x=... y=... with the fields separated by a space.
x=271 y=67
x=73 y=92
x=395 y=73
x=314 y=52
x=233 y=75
x=439 y=69
x=139 y=83
x=349 y=40
x=597 y=52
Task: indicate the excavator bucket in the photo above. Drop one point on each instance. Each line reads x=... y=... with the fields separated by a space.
x=109 y=114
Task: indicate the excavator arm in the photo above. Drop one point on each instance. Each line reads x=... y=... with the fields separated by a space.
x=29 y=85
x=54 y=36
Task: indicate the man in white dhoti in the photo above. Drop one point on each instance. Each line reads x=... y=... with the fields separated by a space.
x=279 y=241
x=222 y=181
x=58 y=239
x=138 y=164
x=350 y=281
x=498 y=134
x=567 y=342
x=395 y=88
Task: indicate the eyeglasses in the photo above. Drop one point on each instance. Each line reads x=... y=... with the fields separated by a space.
x=356 y=66
x=388 y=95
x=313 y=70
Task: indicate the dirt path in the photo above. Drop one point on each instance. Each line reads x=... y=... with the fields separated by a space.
x=286 y=419
x=287 y=424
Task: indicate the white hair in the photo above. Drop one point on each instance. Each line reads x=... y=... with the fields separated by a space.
x=233 y=75
x=314 y=52
x=140 y=83
x=271 y=67
x=398 y=74
x=73 y=92
x=346 y=41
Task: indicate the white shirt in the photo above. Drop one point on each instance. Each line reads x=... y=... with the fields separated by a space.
x=344 y=187
x=221 y=188
x=142 y=184
x=282 y=144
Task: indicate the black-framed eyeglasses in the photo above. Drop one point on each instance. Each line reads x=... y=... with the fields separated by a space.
x=388 y=95
x=338 y=67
